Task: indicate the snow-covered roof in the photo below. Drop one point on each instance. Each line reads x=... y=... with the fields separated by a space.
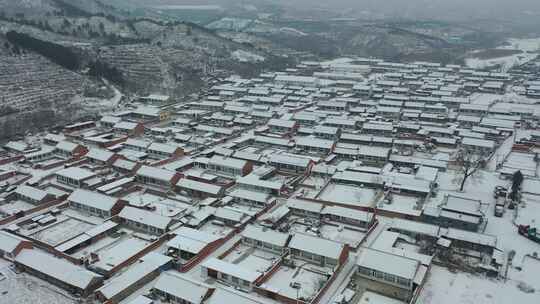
x=57 y=268
x=462 y=205
x=156 y=173
x=427 y=173
x=407 y=183
x=145 y=217
x=76 y=173
x=164 y=148
x=273 y=140
x=221 y=296
x=415 y=227
x=124 y=164
x=143 y=144
x=358 y=177
x=259 y=197
x=191 y=240
x=141 y=299
x=289 y=124
x=471 y=237
x=484 y=143
x=148 y=111
x=31 y=192
x=228 y=162
x=199 y=186
x=9 y=242
x=231 y=269
x=283 y=159
x=265 y=235
x=55 y=137
x=315 y=245
x=314 y=142
x=181 y=287
x=66 y=146
x=348 y=213
x=388 y=263
x=131 y=276
x=125 y=125
x=230 y=214
x=99 y=154
x=93 y=199
x=253 y=180
x=295 y=203
x=110 y=119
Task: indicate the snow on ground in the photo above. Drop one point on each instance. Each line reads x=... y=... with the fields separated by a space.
x=402 y=204
x=310 y=281
x=477 y=289
x=529 y=273
x=347 y=194
x=336 y=232
x=61 y=231
x=526 y=45
x=244 y=56
x=529 y=211
x=26 y=289
x=293 y=31
x=230 y=24
x=506 y=62
x=444 y=287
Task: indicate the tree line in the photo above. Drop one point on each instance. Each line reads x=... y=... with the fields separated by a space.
x=58 y=54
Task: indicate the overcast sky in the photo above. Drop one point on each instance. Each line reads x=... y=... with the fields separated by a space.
x=425 y=8
x=421 y=9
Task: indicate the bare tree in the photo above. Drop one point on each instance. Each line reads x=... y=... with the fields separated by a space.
x=469 y=162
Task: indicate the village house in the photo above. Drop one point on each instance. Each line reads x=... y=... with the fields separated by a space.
x=74 y=176
x=94 y=203
x=229 y=166
x=265 y=239
x=318 y=251
x=389 y=274
x=181 y=290
x=157 y=176
x=60 y=272
x=11 y=245
x=143 y=220
x=229 y=273
x=68 y=149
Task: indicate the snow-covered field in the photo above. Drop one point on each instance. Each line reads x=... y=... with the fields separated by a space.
x=444 y=287
x=506 y=62
x=244 y=56
x=524 y=45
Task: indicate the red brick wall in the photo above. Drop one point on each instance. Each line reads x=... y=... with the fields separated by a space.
x=12 y=159
x=272 y=271
x=323 y=290
x=228 y=251
x=276 y=296
x=205 y=253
